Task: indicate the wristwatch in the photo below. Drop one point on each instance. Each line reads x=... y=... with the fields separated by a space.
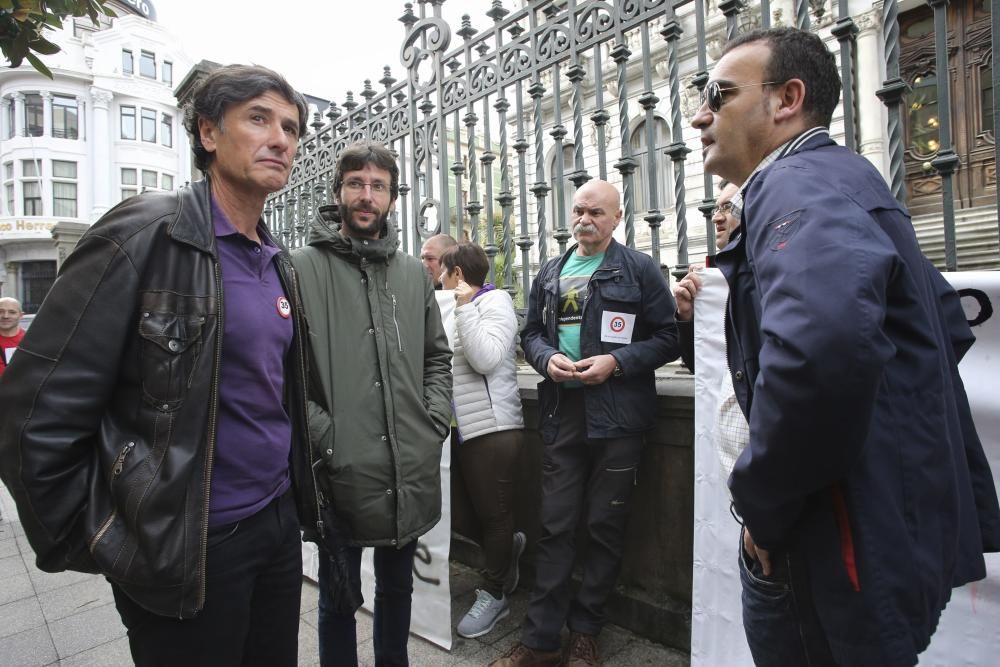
x=618 y=370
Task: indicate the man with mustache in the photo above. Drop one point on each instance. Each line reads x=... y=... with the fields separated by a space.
x=153 y=424
x=600 y=321
x=382 y=407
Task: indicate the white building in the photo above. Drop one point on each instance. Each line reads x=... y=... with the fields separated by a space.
x=104 y=128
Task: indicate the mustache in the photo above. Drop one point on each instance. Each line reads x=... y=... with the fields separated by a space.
x=584 y=227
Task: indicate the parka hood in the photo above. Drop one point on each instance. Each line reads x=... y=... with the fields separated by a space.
x=325 y=232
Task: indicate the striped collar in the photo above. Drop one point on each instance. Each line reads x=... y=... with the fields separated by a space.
x=790 y=146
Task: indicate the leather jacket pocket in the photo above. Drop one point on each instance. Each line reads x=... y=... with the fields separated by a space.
x=170 y=349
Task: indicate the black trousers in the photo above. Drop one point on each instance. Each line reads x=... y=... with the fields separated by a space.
x=596 y=478
x=252 y=595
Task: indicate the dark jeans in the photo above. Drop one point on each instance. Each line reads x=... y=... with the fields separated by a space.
x=597 y=478
x=778 y=615
x=251 y=612
x=488 y=463
x=338 y=642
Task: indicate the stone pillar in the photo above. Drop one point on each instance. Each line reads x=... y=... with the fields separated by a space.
x=10 y=282
x=101 y=153
x=46 y=113
x=66 y=235
x=18 y=114
x=5 y=131
x=870 y=72
x=81 y=116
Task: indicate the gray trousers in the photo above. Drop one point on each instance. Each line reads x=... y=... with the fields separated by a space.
x=594 y=477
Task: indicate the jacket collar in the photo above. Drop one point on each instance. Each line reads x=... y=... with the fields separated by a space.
x=192 y=223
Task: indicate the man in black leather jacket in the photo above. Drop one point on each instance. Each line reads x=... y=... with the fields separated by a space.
x=152 y=424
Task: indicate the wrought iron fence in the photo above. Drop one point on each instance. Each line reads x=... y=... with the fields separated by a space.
x=494 y=132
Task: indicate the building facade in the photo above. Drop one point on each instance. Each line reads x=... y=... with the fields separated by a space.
x=104 y=128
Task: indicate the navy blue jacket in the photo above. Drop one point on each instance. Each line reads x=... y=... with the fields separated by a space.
x=862 y=468
x=627 y=281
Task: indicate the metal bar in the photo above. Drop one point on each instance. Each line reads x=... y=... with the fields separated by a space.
x=524 y=241
x=700 y=80
x=802 y=14
x=677 y=150
x=946 y=160
x=600 y=117
x=995 y=18
x=648 y=102
x=846 y=33
x=558 y=133
x=626 y=165
x=892 y=92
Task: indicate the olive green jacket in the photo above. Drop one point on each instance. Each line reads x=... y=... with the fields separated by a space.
x=384 y=364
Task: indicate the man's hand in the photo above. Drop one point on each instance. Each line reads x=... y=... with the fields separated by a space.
x=463 y=293
x=755 y=552
x=560 y=368
x=596 y=369
x=685 y=291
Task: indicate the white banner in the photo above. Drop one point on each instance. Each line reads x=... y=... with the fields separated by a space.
x=967 y=634
x=431 y=617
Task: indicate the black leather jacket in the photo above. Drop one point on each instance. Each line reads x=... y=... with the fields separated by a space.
x=108 y=410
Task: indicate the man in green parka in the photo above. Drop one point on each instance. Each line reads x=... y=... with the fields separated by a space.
x=384 y=368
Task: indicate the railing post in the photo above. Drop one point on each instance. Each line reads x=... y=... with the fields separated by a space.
x=946 y=160
x=892 y=92
x=845 y=31
x=677 y=150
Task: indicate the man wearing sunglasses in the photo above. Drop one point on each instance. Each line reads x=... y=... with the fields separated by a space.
x=864 y=491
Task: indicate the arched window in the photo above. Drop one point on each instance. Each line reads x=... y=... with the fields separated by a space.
x=638 y=141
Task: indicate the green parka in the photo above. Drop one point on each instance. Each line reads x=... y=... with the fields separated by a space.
x=384 y=364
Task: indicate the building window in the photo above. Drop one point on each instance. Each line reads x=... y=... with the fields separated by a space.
x=128 y=66
x=147 y=64
x=167 y=130
x=149 y=125
x=31 y=190
x=640 y=153
x=34 y=123
x=168 y=72
x=129 y=183
x=166 y=182
x=128 y=122
x=63 y=189
x=65 y=117
x=36 y=279
x=149 y=180
x=11 y=115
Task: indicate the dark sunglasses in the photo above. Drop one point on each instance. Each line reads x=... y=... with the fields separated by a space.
x=712 y=94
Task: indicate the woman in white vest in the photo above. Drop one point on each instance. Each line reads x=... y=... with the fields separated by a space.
x=482 y=330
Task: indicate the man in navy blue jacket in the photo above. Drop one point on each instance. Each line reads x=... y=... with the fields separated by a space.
x=864 y=490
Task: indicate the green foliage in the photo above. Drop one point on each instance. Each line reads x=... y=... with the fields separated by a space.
x=22 y=23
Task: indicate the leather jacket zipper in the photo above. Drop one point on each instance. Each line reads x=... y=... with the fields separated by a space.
x=116 y=470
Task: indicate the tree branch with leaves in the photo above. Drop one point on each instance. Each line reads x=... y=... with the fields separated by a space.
x=22 y=23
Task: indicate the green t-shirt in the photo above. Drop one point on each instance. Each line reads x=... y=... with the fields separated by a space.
x=574 y=287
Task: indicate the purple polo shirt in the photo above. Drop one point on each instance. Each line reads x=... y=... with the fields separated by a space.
x=254 y=432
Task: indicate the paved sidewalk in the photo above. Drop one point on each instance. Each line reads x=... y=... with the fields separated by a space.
x=69 y=619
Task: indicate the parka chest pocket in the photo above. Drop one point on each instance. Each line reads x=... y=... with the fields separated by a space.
x=171 y=328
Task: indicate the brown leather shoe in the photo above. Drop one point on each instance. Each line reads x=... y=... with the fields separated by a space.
x=582 y=651
x=523 y=656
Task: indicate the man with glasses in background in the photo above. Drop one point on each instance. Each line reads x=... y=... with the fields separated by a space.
x=383 y=405
x=864 y=491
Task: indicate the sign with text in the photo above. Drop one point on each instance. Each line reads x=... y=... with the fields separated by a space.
x=16 y=228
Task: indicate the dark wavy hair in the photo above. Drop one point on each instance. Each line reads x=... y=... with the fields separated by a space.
x=472 y=260
x=356 y=156
x=231 y=85
x=797 y=54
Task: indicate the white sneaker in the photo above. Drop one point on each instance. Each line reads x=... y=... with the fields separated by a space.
x=483 y=615
x=514 y=572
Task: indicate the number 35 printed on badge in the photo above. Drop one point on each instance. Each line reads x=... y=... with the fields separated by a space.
x=617 y=327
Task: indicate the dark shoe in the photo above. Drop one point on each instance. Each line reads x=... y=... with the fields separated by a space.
x=582 y=651
x=522 y=656
x=514 y=571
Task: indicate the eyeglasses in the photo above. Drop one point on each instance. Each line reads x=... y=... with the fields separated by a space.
x=378 y=187
x=712 y=94
x=724 y=208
